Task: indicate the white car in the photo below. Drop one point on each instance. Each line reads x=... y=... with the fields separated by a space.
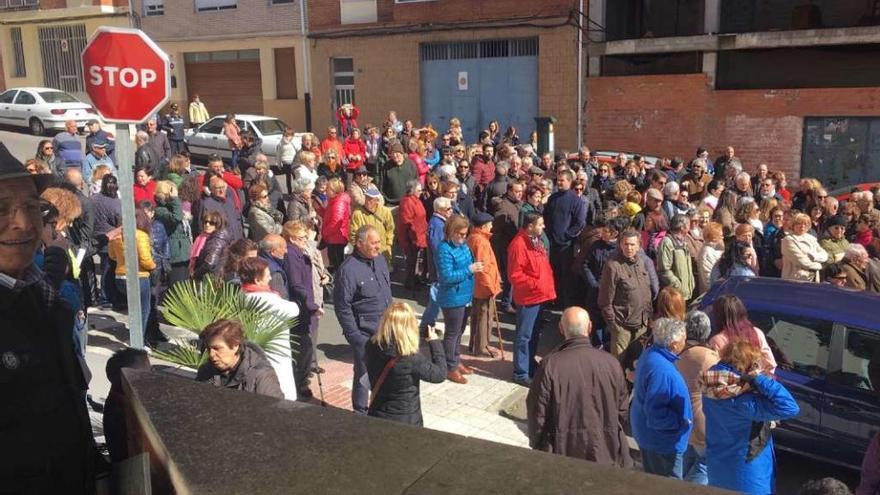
x=208 y=138
x=42 y=109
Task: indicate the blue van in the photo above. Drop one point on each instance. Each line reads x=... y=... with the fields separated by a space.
x=826 y=341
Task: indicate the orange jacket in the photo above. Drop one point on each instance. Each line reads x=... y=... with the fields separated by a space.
x=487 y=284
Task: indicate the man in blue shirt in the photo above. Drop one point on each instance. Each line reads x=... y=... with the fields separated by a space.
x=98 y=155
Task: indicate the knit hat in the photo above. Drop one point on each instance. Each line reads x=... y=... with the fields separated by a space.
x=836 y=221
x=482 y=218
x=397 y=148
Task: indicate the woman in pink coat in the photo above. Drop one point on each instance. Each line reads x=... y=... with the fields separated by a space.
x=334 y=230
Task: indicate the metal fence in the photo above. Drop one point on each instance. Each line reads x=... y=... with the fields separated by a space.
x=61 y=48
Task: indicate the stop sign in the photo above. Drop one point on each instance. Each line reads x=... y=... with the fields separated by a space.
x=127 y=76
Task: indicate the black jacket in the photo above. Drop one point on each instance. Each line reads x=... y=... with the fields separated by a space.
x=398 y=397
x=253 y=374
x=213 y=254
x=82 y=230
x=146 y=156
x=108 y=216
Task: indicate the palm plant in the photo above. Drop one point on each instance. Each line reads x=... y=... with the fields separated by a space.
x=193 y=305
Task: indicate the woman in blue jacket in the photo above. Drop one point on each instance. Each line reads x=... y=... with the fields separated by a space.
x=739 y=403
x=455 y=273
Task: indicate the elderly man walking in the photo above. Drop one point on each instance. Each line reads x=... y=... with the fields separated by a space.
x=661 y=415
x=578 y=401
x=361 y=293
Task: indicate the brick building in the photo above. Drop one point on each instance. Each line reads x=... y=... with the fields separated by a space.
x=790 y=83
x=431 y=60
x=41 y=40
x=241 y=56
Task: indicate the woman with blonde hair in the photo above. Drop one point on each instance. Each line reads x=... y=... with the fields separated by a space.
x=802 y=256
x=98 y=174
x=396 y=368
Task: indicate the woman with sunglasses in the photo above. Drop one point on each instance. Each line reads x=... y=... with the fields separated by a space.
x=210 y=246
x=46 y=153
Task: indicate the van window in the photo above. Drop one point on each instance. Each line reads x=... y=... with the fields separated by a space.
x=861 y=361
x=799 y=344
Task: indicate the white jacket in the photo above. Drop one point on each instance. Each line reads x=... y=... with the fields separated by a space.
x=281 y=363
x=709 y=257
x=802 y=257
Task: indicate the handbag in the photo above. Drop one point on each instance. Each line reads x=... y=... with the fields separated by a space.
x=387 y=369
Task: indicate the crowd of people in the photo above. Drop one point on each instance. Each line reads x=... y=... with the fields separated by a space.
x=485 y=228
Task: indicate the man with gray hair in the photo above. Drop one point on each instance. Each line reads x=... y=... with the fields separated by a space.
x=577 y=403
x=145 y=155
x=361 y=292
x=694 y=360
x=674 y=263
x=660 y=415
x=862 y=272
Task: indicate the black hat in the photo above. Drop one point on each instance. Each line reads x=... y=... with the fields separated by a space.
x=11 y=168
x=836 y=221
x=361 y=170
x=482 y=218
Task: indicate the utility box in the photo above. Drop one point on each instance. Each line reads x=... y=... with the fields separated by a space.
x=544 y=126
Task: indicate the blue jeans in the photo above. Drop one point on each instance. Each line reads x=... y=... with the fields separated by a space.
x=144 y=293
x=668 y=465
x=432 y=310
x=528 y=333
x=694 y=465
x=454 y=319
x=360 y=384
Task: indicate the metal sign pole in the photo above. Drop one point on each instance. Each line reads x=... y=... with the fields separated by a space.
x=124 y=159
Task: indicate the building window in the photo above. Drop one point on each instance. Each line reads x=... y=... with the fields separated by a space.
x=744 y=16
x=154 y=7
x=358 y=11
x=652 y=64
x=18 y=4
x=841 y=151
x=18 y=50
x=632 y=19
x=343 y=81
x=209 y=5
x=221 y=56
x=285 y=73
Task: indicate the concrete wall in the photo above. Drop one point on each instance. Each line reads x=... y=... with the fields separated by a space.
x=387 y=75
x=290 y=111
x=673 y=115
x=254 y=17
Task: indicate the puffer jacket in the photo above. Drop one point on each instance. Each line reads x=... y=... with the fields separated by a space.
x=456 y=282
x=170 y=213
x=334 y=228
x=398 y=397
x=146 y=264
x=253 y=374
x=263 y=221
x=211 y=257
x=739 y=447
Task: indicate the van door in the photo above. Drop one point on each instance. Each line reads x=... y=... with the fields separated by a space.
x=851 y=406
x=802 y=348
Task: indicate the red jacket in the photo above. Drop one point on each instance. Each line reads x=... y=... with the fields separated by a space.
x=412 y=224
x=529 y=272
x=354 y=147
x=145 y=193
x=332 y=144
x=347 y=124
x=483 y=171
x=232 y=181
x=334 y=229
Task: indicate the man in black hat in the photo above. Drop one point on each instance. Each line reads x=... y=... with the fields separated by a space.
x=98 y=135
x=44 y=425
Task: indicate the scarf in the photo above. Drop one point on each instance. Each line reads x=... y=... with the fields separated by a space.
x=254 y=288
x=722 y=384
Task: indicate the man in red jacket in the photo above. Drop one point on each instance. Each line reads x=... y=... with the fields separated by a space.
x=530 y=275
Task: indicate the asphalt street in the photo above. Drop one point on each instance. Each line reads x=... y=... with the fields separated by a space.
x=793 y=470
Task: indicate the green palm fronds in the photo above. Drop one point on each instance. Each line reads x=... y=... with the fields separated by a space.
x=193 y=305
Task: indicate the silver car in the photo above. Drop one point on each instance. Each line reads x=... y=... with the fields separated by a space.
x=208 y=138
x=42 y=109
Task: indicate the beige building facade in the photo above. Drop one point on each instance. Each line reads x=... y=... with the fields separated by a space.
x=239 y=56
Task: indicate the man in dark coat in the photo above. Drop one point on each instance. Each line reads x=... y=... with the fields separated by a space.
x=565 y=216
x=504 y=228
x=144 y=155
x=221 y=202
x=361 y=293
x=299 y=284
x=159 y=142
x=98 y=135
x=398 y=171
x=44 y=425
x=273 y=249
x=577 y=403
x=496 y=189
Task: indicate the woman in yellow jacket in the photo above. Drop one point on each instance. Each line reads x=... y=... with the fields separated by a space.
x=116 y=251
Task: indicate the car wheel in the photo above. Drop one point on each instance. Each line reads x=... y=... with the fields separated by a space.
x=37 y=128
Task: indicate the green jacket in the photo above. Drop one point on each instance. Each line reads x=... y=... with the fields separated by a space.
x=834 y=248
x=179 y=234
x=394 y=184
x=674 y=266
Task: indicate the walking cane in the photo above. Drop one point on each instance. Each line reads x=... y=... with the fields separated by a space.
x=318 y=375
x=498 y=327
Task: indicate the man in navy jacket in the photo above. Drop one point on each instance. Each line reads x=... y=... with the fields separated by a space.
x=565 y=215
x=361 y=293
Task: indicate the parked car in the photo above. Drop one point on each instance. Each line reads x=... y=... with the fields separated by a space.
x=42 y=109
x=826 y=341
x=208 y=138
x=843 y=193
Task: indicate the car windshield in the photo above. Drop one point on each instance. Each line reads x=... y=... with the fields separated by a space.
x=272 y=127
x=57 y=97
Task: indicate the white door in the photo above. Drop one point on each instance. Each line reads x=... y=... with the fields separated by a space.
x=6 y=100
x=23 y=108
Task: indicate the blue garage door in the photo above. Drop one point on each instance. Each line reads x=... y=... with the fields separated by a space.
x=478 y=81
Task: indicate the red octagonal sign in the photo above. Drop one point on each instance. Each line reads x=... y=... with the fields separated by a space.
x=127 y=76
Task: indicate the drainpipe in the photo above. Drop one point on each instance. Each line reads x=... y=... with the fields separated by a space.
x=307 y=66
x=580 y=76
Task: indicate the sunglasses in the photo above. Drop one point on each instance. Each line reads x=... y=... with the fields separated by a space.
x=464 y=166
x=264 y=196
x=210 y=222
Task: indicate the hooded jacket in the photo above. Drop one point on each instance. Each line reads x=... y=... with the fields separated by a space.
x=398 y=397
x=253 y=373
x=739 y=449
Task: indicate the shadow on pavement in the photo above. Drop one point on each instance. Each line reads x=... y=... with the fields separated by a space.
x=336 y=352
